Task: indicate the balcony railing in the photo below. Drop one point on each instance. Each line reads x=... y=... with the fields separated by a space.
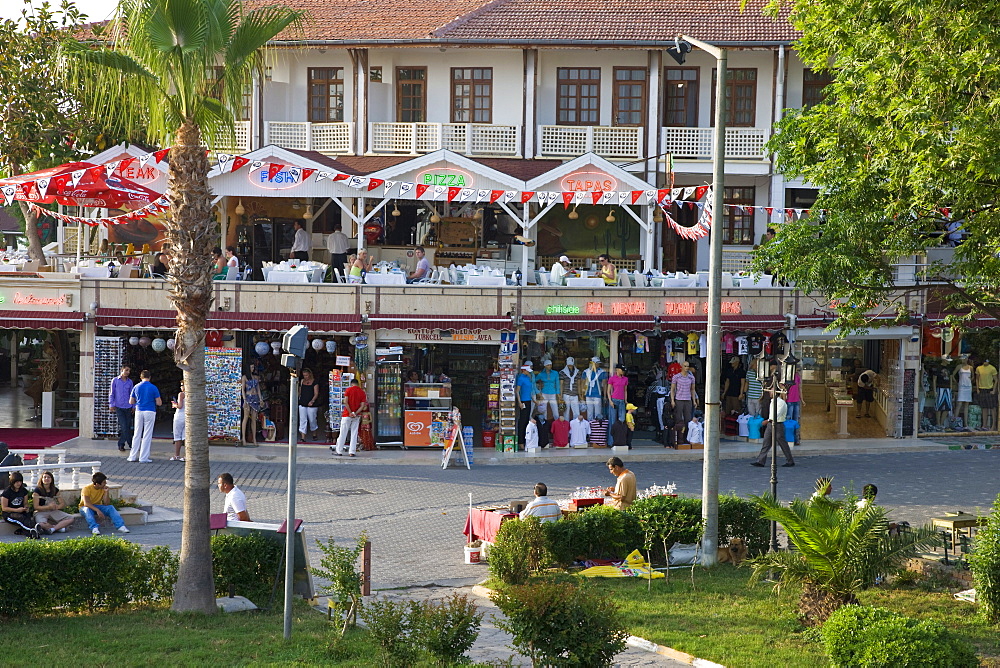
x=696 y=143
x=465 y=138
x=240 y=142
x=321 y=137
x=614 y=143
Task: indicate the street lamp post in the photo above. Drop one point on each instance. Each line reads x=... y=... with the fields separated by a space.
x=713 y=407
x=294 y=343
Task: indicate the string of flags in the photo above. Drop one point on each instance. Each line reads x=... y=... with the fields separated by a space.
x=153 y=208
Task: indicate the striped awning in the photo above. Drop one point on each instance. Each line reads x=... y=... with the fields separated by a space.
x=582 y=323
x=114 y=318
x=435 y=321
x=41 y=320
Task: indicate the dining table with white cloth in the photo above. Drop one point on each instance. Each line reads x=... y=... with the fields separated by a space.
x=585 y=282
x=385 y=278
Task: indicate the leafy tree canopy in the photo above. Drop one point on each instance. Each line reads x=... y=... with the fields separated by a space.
x=906 y=143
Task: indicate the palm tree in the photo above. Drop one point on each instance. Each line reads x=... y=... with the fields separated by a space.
x=840 y=549
x=177 y=69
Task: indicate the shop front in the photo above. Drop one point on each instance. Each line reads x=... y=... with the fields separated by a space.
x=40 y=327
x=425 y=367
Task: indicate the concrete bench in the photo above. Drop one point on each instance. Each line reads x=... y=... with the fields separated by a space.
x=132 y=516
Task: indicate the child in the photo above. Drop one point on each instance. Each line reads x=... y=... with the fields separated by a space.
x=560 y=432
x=630 y=410
x=531 y=435
x=696 y=430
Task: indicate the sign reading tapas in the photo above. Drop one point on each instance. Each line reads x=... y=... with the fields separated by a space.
x=588 y=182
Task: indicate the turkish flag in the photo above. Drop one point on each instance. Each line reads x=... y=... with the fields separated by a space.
x=770 y=210
x=161 y=154
x=341 y=177
x=238 y=162
x=567 y=198
x=273 y=169
x=595 y=196
x=421 y=189
x=700 y=192
x=374 y=183
x=125 y=163
x=526 y=196
x=636 y=194
x=662 y=194
x=495 y=195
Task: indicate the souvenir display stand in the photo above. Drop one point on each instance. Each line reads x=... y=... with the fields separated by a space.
x=223 y=377
x=108 y=352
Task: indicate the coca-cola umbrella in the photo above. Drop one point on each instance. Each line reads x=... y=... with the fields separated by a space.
x=80 y=184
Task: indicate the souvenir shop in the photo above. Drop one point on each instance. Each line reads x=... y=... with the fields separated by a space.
x=423 y=371
x=958 y=382
x=39 y=353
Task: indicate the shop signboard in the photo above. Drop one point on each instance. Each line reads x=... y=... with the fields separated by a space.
x=588 y=181
x=694 y=307
x=464 y=335
x=38 y=299
x=446 y=176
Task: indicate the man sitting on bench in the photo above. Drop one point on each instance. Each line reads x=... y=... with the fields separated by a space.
x=95 y=504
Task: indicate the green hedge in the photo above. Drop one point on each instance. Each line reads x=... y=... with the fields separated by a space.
x=600 y=532
x=868 y=637
x=985 y=564
x=741 y=518
x=248 y=562
x=79 y=574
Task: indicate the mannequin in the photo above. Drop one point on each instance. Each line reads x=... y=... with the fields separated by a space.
x=986 y=396
x=964 y=391
x=569 y=378
x=942 y=393
x=548 y=386
x=252 y=403
x=594 y=380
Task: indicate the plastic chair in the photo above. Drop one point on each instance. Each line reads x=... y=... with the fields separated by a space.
x=232 y=274
x=543 y=277
x=623 y=279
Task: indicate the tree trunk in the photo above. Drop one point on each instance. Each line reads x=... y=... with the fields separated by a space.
x=190 y=229
x=30 y=223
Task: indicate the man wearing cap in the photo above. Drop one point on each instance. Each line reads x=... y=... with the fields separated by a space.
x=525 y=388
x=594 y=380
x=569 y=379
x=548 y=388
x=559 y=271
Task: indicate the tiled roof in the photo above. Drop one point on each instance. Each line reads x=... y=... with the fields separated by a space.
x=359 y=165
x=597 y=20
x=521 y=169
x=384 y=21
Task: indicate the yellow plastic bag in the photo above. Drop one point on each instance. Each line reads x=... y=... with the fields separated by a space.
x=635 y=566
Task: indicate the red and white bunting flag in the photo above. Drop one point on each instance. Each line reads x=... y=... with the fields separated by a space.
x=567 y=197
x=112 y=167
x=700 y=191
x=75 y=176
x=688 y=193
x=43 y=185
x=254 y=166
x=790 y=213
x=357 y=181
x=126 y=162
x=224 y=160
x=389 y=185
x=322 y=176
x=805 y=212
x=650 y=196
x=421 y=189
x=482 y=194
x=636 y=194
x=677 y=193
x=162 y=153
x=509 y=196
x=439 y=191
x=306 y=173
x=453 y=192
x=607 y=197
x=405 y=187
x=579 y=196
x=526 y=196
x=662 y=195
x=495 y=195
x=273 y=169
x=623 y=197
x=340 y=177
x=143 y=159
x=295 y=173
x=374 y=183
x=595 y=196
x=466 y=194
x=770 y=211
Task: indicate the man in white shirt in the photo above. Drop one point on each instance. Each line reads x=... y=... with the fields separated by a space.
x=579 y=431
x=558 y=275
x=777 y=412
x=423 y=269
x=338 y=243
x=236 y=500
x=300 y=245
x=542 y=507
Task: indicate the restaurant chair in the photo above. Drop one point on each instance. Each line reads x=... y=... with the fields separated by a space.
x=453 y=274
x=232 y=274
x=31 y=266
x=543 y=279
x=623 y=279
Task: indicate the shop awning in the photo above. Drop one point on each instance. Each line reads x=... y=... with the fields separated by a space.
x=977 y=322
x=580 y=323
x=729 y=322
x=41 y=320
x=434 y=321
x=230 y=320
x=824 y=321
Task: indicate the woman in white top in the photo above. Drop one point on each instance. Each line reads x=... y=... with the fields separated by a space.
x=178 y=405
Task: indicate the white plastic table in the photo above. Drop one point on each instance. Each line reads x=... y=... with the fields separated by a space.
x=289 y=276
x=591 y=282
x=393 y=278
x=487 y=280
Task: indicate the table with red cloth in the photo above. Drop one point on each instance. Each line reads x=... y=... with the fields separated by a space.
x=484 y=524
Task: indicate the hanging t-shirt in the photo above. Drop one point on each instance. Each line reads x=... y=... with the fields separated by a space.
x=741 y=345
x=673 y=370
x=754 y=388
x=680 y=343
x=779 y=343
x=641 y=343
x=702 y=346
x=743 y=426
x=727 y=342
x=692 y=339
x=756 y=343
x=754 y=426
x=767 y=342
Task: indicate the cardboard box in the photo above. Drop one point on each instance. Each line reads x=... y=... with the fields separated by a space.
x=683 y=446
x=577 y=504
x=696 y=446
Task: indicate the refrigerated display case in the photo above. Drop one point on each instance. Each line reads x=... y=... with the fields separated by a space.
x=389 y=400
x=425 y=411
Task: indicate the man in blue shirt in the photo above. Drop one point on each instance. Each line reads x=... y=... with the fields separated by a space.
x=525 y=394
x=121 y=390
x=549 y=385
x=145 y=397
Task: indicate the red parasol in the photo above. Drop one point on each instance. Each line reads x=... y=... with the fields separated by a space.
x=94 y=187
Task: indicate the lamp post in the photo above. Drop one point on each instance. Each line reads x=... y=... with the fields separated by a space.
x=781 y=379
x=713 y=408
x=294 y=343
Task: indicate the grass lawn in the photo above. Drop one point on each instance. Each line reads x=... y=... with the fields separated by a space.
x=725 y=621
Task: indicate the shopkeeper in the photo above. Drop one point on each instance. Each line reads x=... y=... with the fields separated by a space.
x=623 y=493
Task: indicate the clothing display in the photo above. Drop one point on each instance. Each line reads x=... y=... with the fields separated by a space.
x=560 y=433
x=964 y=393
x=579 y=431
x=743 y=422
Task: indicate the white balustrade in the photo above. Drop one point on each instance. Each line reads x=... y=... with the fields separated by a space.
x=614 y=143
x=465 y=138
x=72 y=481
x=239 y=143
x=696 y=143
x=322 y=137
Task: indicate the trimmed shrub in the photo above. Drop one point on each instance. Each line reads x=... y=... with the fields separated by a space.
x=741 y=518
x=868 y=637
x=391 y=626
x=561 y=624
x=520 y=549
x=600 y=532
x=448 y=628
x=82 y=574
x=665 y=520
x=249 y=563
x=339 y=565
x=985 y=564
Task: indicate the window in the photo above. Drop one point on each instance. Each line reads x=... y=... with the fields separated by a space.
x=246 y=101
x=579 y=96
x=680 y=108
x=375 y=74
x=741 y=97
x=813 y=84
x=326 y=94
x=630 y=96
x=472 y=95
x=411 y=94
x=737 y=226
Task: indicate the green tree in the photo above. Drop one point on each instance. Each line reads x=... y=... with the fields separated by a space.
x=176 y=69
x=840 y=549
x=906 y=143
x=42 y=124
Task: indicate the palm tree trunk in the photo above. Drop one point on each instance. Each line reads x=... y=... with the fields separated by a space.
x=190 y=229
